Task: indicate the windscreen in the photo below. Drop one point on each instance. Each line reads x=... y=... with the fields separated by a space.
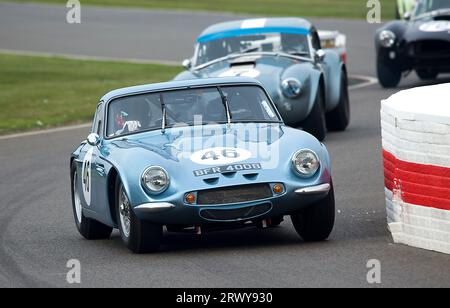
x=427 y=6
x=200 y=106
x=295 y=44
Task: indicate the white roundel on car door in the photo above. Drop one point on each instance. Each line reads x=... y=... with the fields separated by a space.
x=435 y=26
x=220 y=156
x=86 y=176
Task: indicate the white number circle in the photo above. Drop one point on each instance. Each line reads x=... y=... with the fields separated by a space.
x=435 y=26
x=220 y=156
x=86 y=176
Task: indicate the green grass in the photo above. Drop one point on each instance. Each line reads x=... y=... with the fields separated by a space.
x=39 y=92
x=322 y=8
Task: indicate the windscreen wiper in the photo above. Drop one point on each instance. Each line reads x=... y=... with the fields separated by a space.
x=164 y=114
x=225 y=105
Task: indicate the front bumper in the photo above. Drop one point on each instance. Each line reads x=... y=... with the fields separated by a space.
x=432 y=55
x=179 y=213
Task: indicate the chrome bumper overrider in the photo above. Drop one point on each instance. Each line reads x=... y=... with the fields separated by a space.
x=314 y=190
x=155 y=207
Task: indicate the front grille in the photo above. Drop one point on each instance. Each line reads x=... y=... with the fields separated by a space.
x=236 y=214
x=430 y=49
x=237 y=194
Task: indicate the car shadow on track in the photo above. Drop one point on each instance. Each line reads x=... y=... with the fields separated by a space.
x=250 y=238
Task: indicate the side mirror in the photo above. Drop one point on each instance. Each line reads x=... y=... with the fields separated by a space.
x=187 y=64
x=320 y=55
x=407 y=16
x=93 y=140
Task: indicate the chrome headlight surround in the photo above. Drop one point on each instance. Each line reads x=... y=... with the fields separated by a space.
x=155 y=180
x=306 y=163
x=291 y=87
x=387 y=38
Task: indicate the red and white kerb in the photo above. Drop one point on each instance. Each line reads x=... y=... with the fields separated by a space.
x=416 y=158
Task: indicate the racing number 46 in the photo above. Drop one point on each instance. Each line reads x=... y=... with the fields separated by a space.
x=225 y=153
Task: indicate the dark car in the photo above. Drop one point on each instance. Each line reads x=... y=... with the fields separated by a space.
x=420 y=44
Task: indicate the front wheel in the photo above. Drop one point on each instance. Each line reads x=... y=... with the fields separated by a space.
x=315 y=123
x=138 y=235
x=388 y=75
x=339 y=118
x=315 y=223
x=90 y=229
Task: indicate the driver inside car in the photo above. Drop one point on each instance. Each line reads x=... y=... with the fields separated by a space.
x=131 y=117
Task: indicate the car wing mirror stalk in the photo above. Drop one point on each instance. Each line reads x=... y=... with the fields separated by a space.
x=93 y=139
x=320 y=55
x=187 y=64
x=407 y=16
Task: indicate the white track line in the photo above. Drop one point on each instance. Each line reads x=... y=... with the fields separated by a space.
x=368 y=81
x=45 y=131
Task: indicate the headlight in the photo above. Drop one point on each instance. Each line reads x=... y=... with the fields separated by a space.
x=387 y=38
x=306 y=163
x=156 y=180
x=291 y=87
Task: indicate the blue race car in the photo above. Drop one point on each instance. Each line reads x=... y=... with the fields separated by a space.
x=197 y=156
x=308 y=84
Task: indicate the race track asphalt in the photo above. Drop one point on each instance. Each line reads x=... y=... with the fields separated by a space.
x=37 y=232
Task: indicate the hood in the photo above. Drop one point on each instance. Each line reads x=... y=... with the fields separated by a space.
x=182 y=151
x=436 y=27
x=178 y=145
x=269 y=70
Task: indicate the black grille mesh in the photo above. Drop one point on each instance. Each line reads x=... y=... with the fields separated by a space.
x=430 y=48
x=235 y=194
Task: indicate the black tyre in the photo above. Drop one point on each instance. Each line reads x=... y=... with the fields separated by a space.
x=388 y=76
x=315 y=123
x=339 y=118
x=426 y=74
x=88 y=228
x=138 y=235
x=317 y=221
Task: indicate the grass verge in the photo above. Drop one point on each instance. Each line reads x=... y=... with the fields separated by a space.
x=322 y=8
x=40 y=92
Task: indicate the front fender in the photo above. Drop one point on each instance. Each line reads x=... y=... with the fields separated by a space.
x=383 y=54
x=333 y=69
x=309 y=76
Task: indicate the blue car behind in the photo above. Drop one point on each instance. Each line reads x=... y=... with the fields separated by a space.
x=197 y=156
x=307 y=81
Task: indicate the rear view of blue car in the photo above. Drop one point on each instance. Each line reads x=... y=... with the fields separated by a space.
x=197 y=156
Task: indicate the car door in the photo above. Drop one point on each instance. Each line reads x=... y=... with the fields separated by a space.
x=100 y=169
x=91 y=170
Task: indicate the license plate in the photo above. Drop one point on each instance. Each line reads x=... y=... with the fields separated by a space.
x=227 y=169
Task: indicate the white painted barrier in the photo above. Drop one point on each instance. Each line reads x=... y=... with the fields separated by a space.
x=416 y=150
